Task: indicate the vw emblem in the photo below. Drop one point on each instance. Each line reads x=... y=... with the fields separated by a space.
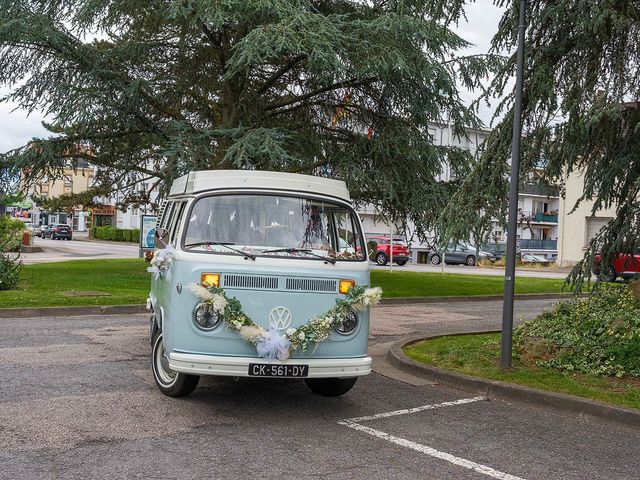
x=280 y=318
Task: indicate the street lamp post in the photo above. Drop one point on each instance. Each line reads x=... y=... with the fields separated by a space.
x=510 y=269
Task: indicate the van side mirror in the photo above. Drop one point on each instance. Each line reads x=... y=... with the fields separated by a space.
x=161 y=238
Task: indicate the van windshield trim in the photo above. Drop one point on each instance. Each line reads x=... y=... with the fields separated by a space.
x=259 y=252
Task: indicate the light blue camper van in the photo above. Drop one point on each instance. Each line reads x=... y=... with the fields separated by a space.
x=259 y=274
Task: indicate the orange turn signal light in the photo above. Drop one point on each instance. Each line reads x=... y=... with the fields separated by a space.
x=210 y=279
x=346 y=285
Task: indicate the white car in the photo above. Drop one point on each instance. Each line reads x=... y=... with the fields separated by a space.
x=35 y=229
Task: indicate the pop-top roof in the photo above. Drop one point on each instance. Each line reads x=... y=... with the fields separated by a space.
x=206 y=180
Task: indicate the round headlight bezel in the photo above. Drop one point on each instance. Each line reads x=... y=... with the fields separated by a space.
x=353 y=319
x=202 y=309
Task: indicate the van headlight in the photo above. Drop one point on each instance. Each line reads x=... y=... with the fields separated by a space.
x=348 y=324
x=206 y=317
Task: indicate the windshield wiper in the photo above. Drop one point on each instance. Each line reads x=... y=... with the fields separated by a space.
x=225 y=245
x=301 y=250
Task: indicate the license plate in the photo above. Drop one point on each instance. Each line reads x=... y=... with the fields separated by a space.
x=272 y=370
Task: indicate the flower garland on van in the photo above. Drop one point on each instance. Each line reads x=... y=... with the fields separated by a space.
x=271 y=344
x=161 y=261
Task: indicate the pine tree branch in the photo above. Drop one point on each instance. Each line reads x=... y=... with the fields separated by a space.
x=279 y=73
x=345 y=84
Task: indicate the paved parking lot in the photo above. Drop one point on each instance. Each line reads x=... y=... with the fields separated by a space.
x=78 y=401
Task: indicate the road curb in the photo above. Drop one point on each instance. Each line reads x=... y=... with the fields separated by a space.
x=71 y=311
x=494 y=389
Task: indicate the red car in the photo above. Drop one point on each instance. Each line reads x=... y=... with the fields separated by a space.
x=382 y=252
x=625 y=265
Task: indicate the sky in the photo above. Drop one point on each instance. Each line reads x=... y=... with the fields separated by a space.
x=17 y=127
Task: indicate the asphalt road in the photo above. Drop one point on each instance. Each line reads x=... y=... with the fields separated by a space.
x=78 y=401
x=61 y=250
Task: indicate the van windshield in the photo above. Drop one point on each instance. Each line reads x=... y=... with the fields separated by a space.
x=272 y=225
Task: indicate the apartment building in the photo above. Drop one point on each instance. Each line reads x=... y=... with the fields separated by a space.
x=579 y=227
x=538 y=204
x=77 y=176
x=441 y=134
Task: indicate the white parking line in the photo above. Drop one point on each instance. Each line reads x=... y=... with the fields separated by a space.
x=462 y=401
x=432 y=452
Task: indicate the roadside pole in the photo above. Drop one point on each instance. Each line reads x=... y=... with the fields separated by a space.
x=390 y=245
x=510 y=270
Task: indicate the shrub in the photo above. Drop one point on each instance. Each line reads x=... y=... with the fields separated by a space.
x=117 y=234
x=597 y=335
x=9 y=272
x=10 y=233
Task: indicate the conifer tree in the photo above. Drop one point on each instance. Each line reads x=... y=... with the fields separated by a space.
x=581 y=116
x=343 y=89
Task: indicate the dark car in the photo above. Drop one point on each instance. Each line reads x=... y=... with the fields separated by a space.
x=60 y=232
x=459 y=254
x=46 y=230
x=383 y=251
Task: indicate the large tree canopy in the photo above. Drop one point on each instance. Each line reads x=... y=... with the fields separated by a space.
x=343 y=89
x=580 y=115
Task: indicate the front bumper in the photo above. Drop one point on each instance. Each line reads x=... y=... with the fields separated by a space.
x=195 y=364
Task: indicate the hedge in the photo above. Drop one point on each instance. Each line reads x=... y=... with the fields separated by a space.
x=116 y=234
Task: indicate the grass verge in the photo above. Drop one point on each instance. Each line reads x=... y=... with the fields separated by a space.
x=430 y=284
x=479 y=355
x=49 y=284
x=127 y=282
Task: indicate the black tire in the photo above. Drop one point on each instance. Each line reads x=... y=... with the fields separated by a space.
x=470 y=261
x=330 y=387
x=172 y=384
x=53 y=237
x=611 y=274
x=381 y=258
x=435 y=259
x=402 y=263
x=153 y=328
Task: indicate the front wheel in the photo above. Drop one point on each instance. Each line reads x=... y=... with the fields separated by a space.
x=435 y=259
x=330 y=387
x=402 y=263
x=471 y=260
x=172 y=384
x=381 y=259
x=611 y=274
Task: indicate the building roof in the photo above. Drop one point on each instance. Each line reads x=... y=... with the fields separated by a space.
x=206 y=180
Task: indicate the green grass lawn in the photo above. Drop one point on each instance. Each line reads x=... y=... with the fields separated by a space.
x=479 y=355
x=127 y=281
x=45 y=284
x=428 y=284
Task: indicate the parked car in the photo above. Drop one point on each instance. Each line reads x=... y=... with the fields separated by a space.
x=498 y=249
x=383 y=251
x=35 y=229
x=528 y=258
x=61 y=231
x=461 y=254
x=625 y=265
x=45 y=232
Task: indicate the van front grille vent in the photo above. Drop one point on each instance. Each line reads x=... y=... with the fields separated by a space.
x=255 y=282
x=311 y=285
